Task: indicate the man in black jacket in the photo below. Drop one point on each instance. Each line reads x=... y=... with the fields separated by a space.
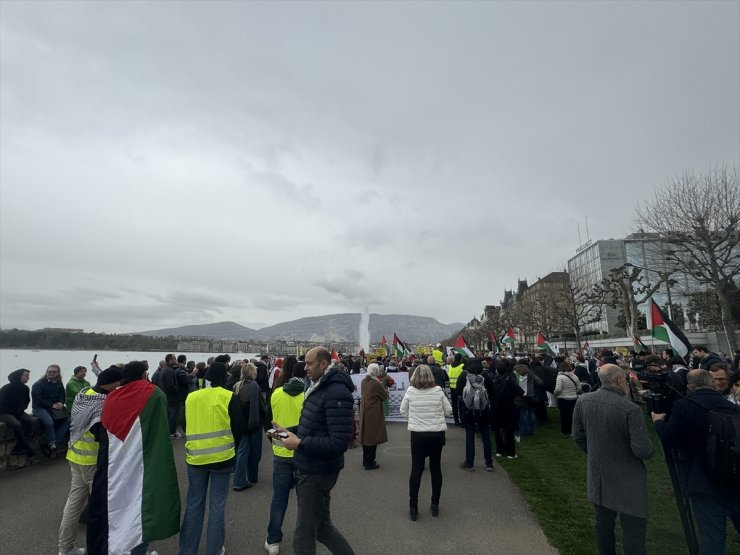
x=706 y=358
x=685 y=431
x=14 y=400
x=48 y=398
x=320 y=440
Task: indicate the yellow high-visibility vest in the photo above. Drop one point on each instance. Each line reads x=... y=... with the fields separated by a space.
x=209 y=438
x=84 y=451
x=286 y=411
x=438 y=357
x=454 y=373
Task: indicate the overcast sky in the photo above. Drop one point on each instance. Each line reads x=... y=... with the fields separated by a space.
x=167 y=163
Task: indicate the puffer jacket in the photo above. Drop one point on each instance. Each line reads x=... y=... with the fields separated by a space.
x=325 y=427
x=426 y=409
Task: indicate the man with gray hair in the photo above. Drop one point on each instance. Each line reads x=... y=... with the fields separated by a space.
x=685 y=431
x=612 y=432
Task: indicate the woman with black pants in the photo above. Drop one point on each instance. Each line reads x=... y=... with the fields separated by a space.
x=425 y=406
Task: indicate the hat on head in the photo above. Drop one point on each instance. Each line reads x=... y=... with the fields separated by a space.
x=109 y=376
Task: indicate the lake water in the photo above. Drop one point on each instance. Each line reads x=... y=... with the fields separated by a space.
x=37 y=360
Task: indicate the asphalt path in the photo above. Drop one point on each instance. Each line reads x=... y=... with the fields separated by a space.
x=480 y=512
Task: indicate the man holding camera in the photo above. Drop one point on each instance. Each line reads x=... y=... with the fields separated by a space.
x=685 y=431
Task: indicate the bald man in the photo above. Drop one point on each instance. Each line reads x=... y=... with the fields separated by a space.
x=611 y=430
x=319 y=441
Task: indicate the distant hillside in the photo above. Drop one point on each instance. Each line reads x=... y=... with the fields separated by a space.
x=345 y=327
x=333 y=327
x=220 y=330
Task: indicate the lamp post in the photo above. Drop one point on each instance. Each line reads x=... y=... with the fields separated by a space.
x=664 y=277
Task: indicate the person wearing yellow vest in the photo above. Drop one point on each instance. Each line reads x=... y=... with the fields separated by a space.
x=82 y=454
x=456 y=368
x=214 y=427
x=439 y=357
x=286 y=403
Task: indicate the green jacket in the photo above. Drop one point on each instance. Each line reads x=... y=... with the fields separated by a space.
x=74 y=386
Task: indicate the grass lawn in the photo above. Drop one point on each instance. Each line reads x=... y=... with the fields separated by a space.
x=551 y=474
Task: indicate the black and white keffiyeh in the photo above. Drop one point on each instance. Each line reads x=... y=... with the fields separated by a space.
x=86 y=412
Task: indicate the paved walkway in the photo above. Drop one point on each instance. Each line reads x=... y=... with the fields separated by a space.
x=480 y=512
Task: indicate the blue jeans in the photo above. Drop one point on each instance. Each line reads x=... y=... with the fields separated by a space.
x=192 y=522
x=248 y=456
x=527 y=421
x=283 y=481
x=54 y=430
x=485 y=434
x=711 y=519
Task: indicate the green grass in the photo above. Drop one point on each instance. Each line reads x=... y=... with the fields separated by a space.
x=551 y=474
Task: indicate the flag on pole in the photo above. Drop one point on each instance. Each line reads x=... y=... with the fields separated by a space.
x=509 y=337
x=495 y=345
x=639 y=344
x=384 y=344
x=400 y=347
x=334 y=356
x=461 y=347
x=665 y=330
x=544 y=344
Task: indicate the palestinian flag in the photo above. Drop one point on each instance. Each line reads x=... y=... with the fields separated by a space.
x=495 y=345
x=665 y=330
x=400 y=347
x=462 y=348
x=135 y=496
x=544 y=344
x=334 y=356
x=639 y=344
x=384 y=344
x=509 y=338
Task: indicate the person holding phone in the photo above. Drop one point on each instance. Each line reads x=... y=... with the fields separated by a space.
x=322 y=436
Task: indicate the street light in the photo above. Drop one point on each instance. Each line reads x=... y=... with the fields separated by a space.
x=664 y=277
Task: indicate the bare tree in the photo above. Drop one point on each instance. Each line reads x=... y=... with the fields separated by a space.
x=577 y=308
x=699 y=215
x=623 y=289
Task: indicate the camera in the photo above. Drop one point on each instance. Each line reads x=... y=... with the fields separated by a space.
x=659 y=395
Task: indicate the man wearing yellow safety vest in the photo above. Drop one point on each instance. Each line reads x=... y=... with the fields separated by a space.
x=286 y=403
x=82 y=454
x=456 y=368
x=214 y=427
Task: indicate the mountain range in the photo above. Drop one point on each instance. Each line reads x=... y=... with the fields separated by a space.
x=332 y=327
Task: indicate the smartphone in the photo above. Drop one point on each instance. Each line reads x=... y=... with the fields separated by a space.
x=95 y=358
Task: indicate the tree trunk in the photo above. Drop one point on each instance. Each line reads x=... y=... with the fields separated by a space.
x=728 y=323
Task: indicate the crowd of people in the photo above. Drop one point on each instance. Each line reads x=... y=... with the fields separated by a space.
x=305 y=409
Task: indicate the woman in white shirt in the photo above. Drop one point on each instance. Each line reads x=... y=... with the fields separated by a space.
x=567 y=387
x=425 y=406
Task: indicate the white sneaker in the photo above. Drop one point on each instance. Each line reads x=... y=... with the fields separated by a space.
x=223 y=550
x=152 y=553
x=74 y=551
x=272 y=548
x=518 y=438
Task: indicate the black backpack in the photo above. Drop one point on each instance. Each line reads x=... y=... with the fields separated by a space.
x=722 y=449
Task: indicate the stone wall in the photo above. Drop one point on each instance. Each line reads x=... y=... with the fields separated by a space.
x=7 y=443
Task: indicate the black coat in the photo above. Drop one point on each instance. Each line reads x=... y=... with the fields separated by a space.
x=15 y=396
x=45 y=393
x=325 y=427
x=685 y=431
x=471 y=416
x=505 y=390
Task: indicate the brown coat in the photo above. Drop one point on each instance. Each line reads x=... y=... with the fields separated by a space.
x=372 y=417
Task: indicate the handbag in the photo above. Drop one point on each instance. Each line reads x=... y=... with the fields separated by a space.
x=59 y=414
x=578 y=390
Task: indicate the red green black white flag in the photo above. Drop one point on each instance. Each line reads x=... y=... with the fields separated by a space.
x=509 y=337
x=665 y=330
x=544 y=344
x=461 y=347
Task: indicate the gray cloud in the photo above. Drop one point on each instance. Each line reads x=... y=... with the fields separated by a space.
x=170 y=163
